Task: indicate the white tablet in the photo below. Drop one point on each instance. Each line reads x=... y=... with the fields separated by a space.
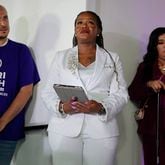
x=66 y=92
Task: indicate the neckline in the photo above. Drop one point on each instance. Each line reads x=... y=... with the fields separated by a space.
x=5 y=43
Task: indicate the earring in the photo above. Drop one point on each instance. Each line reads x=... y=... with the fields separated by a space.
x=98 y=35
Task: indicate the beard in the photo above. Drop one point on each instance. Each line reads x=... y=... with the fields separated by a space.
x=3 y=37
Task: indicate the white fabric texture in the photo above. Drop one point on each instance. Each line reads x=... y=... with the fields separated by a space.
x=82 y=150
x=104 y=86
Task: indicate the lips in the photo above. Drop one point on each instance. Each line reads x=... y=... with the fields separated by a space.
x=3 y=30
x=84 y=31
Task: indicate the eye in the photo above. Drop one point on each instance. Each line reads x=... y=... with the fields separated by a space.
x=78 y=22
x=92 y=22
x=160 y=42
x=5 y=17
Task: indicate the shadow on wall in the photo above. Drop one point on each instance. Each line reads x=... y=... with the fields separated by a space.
x=21 y=34
x=43 y=47
x=44 y=42
x=130 y=51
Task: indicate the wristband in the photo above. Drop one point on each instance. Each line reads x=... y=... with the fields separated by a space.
x=102 y=110
x=61 y=109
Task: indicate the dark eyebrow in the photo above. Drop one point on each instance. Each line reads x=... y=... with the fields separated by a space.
x=161 y=39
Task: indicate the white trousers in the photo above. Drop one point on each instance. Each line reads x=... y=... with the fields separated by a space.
x=82 y=150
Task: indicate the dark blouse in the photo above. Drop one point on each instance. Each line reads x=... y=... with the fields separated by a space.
x=139 y=92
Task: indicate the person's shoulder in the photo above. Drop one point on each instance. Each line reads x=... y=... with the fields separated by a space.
x=141 y=66
x=107 y=52
x=17 y=44
x=67 y=50
x=62 y=54
x=113 y=54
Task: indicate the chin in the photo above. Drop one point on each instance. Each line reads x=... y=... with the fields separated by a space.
x=3 y=37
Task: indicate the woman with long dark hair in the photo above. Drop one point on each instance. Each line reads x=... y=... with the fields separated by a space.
x=82 y=133
x=149 y=84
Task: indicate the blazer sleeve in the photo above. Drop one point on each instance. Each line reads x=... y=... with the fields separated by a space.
x=138 y=90
x=48 y=94
x=118 y=96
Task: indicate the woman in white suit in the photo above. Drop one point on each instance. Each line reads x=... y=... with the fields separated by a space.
x=85 y=133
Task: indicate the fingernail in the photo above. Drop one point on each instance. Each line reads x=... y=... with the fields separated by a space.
x=74 y=98
x=73 y=107
x=73 y=103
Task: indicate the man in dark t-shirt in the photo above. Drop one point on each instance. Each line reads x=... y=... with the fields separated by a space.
x=18 y=75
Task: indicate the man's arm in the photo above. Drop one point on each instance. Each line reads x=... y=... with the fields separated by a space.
x=17 y=105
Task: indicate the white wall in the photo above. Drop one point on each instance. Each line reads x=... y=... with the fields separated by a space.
x=47 y=26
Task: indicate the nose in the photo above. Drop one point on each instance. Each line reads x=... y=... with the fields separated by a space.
x=163 y=45
x=84 y=24
x=2 y=22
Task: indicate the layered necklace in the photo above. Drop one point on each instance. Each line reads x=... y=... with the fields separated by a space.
x=162 y=68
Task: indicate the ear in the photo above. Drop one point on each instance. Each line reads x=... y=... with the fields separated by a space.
x=98 y=32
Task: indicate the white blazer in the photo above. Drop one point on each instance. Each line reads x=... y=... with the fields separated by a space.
x=107 y=85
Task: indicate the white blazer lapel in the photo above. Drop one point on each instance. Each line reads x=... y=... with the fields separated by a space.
x=99 y=65
x=73 y=65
